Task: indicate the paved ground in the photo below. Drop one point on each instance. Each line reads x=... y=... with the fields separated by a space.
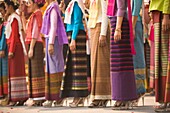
x=148 y=108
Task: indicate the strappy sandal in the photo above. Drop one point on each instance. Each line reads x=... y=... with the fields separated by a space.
x=78 y=103
x=160 y=108
x=11 y=104
x=95 y=104
x=117 y=105
x=47 y=103
x=4 y=102
x=103 y=103
x=58 y=103
x=34 y=103
x=127 y=105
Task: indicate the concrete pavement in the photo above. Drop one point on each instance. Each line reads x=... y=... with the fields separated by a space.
x=147 y=108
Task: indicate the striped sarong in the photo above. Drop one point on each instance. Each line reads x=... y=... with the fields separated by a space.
x=36 y=83
x=17 y=77
x=100 y=68
x=152 y=65
x=162 y=74
x=123 y=84
x=147 y=60
x=74 y=83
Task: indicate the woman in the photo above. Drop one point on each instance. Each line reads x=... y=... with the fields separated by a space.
x=3 y=60
x=16 y=64
x=54 y=31
x=122 y=71
x=100 y=51
x=138 y=59
x=74 y=82
x=160 y=11
x=34 y=41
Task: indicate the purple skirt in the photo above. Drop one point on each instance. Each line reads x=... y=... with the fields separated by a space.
x=123 y=84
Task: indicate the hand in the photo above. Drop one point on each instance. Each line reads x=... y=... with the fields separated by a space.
x=69 y=37
x=102 y=41
x=51 y=49
x=73 y=45
x=30 y=53
x=117 y=36
x=165 y=23
x=10 y=55
x=2 y=54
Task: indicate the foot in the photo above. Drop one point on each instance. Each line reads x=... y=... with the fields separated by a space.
x=79 y=102
x=118 y=105
x=12 y=104
x=31 y=102
x=127 y=105
x=4 y=102
x=47 y=103
x=58 y=103
x=103 y=103
x=94 y=104
x=160 y=108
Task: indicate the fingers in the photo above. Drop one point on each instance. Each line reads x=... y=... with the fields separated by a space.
x=102 y=43
x=10 y=56
x=117 y=38
x=51 y=51
x=72 y=48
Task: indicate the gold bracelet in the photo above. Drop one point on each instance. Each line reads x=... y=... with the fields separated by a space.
x=119 y=30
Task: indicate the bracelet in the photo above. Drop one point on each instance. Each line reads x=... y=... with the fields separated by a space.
x=119 y=30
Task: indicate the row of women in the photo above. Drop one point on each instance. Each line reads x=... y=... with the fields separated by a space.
x=116 y=49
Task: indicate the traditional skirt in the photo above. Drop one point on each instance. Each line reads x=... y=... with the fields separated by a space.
x=147 y=60
x=152 y=65
x=4 y=74
x=17 y=77
x=139 y=59
x=74 y=83
x=36 y=72
x=100 y=68
x=123 y=84
x=54 y=71
x=162 y=64
x=88 y=74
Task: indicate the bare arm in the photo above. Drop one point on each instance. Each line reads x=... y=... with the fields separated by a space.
x=121 y=7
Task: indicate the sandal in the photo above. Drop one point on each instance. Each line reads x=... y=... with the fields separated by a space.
x=77 y=103
x=47 y=103
x=103 y=103
x=31 y=102
x=160 y=108
x=58 y=103
x=127 y=105
x=4 y=102
x=11 y=104
x=94 y=104
x=117 y=105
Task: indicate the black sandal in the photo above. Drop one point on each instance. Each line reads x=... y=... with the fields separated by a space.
x=103 y=103
x=95 y=104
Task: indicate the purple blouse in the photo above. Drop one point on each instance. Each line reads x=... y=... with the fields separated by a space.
x=121 y=8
